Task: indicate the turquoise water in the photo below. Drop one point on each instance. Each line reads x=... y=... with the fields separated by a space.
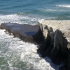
x=16 y=54
x=30 y=11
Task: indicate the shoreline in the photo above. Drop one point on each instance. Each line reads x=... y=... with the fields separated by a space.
x=50 y=35
x=63 y=25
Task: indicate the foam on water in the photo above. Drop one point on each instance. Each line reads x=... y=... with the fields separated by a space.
x=64 y=6
x=15 y=18
x=18 y=55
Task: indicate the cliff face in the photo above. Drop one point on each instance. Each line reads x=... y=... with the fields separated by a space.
x=62 y=25
x=56 y=41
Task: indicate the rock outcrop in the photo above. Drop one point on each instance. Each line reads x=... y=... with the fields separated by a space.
x=52 y=36
x=57 y=41
x=55 y=47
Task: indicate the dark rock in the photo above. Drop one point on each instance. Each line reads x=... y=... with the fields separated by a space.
x=60 y=51
x=38 y=37
x=45 y=45
x=59 y=42
x=63 y=67
x=66 y=65
x=55 y=47
x=68 y=60
x=48 y=51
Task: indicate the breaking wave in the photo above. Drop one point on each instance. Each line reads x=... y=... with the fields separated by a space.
x=19 y=55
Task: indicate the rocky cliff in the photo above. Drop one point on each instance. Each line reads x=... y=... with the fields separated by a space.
x=56 y=43
x=52 y=36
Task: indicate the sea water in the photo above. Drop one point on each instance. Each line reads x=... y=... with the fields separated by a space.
x=16 y=54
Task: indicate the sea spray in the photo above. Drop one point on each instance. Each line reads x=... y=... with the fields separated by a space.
x=19 y=55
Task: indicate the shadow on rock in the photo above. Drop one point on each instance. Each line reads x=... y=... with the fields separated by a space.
x=54 y=47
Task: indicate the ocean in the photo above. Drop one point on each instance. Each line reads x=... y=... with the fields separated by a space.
x=16 y=54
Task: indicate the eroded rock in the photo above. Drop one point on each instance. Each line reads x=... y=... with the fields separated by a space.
x=55 y=47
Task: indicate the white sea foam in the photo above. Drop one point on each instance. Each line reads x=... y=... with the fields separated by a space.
x=21 y=55
x=15 y=18
x=50 y=10
x=64 y=6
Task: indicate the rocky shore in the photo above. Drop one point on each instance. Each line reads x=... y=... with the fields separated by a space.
x=56 y=43
x=52 y=36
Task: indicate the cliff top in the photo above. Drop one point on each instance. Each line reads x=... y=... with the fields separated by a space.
x=63 y=25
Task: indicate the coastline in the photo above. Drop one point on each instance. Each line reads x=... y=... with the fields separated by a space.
x=43 y=36
x=63 y=25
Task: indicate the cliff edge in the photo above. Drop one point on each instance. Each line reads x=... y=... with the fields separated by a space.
x=56 y=43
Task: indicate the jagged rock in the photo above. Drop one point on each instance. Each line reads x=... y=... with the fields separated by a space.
x=60 y=51
x=44 y=48
x=68 y=61
x=62 y=25
x=53 y=42
x=55 y=47
x=57 y=33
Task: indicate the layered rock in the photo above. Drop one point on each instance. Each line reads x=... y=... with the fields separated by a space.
x=57 y=41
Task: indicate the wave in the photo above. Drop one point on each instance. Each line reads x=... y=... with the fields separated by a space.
x=64 y=6
x=22 y=18
x=54 y=10
x=18 y=18
x=19 y=55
